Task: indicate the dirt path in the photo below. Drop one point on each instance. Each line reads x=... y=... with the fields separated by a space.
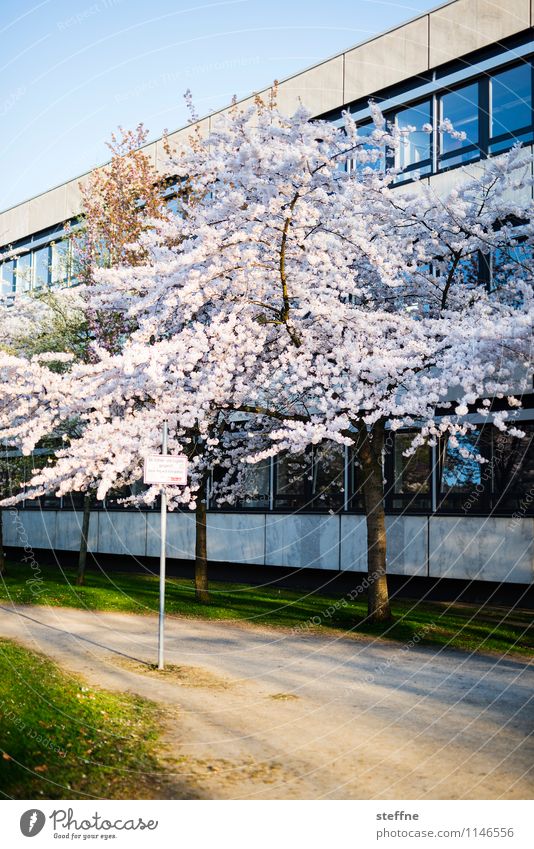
x=262 y=713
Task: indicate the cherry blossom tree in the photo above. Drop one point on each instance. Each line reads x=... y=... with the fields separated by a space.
x=303 y=296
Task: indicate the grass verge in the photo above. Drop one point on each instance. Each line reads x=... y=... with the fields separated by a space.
x=462 y=626
x=61 y=739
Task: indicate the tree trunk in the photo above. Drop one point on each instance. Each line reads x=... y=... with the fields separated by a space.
x=2 y=556
x=371 y=456
x=201 y=554
x=82 y=559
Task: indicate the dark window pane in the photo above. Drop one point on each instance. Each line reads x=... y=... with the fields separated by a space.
x=460 y=107
x=412 y=483
x=511 y=100
x=294 y=474
x=513 y=471
x=416 y=147
x=355 y=501
x=328 y=477
x=254 y=484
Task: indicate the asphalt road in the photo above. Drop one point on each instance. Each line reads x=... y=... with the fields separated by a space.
x=255 y=712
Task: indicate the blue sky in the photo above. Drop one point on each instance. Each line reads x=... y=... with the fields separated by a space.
x=73 y=70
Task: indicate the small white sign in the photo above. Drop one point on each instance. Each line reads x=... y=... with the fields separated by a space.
x=165 y=469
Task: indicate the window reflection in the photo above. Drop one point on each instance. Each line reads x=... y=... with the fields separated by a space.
x=23 y=272
x=513 y=470
x=254 y=484
x=7 y=277
x=311 y=481
x=374 y=156
x=412 y=476
x=61 y=262
x=511 y=100
x=41 y=262
x=415 y=150
x=464 y=482
x=460 y=107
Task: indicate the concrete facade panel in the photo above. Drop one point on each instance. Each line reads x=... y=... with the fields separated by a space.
x=69 y=530
x=180 y=535
x=353 y=544
x=302 y=541
x=12 y=528
x=407 y=540
x=236 y=538
x=468 y=25
x=319 y=89
x=14 y=224
x=386 y=60
x=47 y=209
x=73 y=196
x=34 y=528
x=122 y=533
x=407 y=545
x=487 y=549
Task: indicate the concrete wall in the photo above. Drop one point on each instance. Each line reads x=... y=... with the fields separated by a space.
x=487 y=549
x=445 y=33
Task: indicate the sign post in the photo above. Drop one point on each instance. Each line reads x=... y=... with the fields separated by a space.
x=162 y=558
x=164 y=470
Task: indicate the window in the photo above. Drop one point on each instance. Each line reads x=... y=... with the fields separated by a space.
x=293 y=472
x=355 y=500
x=375 y=155
x=464 y=483
x=174 y=205
x=510 y=107
x=328 y=477
x=23 y=273
x=513 y=471
x=7 y=277
x=61 y=262
x=415 y=154
x=516 y=260
x=460 y=107
x=41 y=264
x=255 y=484
x=412 y=476
x=311 y=481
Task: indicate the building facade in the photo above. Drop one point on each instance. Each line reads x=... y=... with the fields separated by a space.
x=471 y=61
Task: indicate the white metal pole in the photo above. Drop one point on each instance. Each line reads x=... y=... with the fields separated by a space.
x=163 y=552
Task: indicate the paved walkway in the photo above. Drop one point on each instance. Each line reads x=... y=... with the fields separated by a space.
x=262 y=713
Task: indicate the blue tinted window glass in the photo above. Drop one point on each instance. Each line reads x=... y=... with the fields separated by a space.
x=511 y=100
x=416 y=147
x=24 y=273
x=7 y=277
x=461 y=472
x=41 y=261
x=460 y=107
x=376 y=155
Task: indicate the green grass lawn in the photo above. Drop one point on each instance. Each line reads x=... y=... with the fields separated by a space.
x=61 y=739
x=463 y=626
